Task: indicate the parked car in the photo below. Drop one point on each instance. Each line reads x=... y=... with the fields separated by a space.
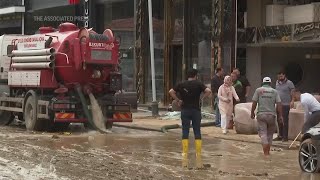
x=309 y=151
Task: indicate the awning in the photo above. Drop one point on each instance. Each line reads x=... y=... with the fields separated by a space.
x=13 y=9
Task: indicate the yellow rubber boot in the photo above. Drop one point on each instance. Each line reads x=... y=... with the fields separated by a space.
x=185 y=149
x=198 y=143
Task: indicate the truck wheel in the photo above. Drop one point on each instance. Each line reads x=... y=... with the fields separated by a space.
x=30 y=115
x=88 y=126
x=61 y=126
x=6 y=117
x=109 y=125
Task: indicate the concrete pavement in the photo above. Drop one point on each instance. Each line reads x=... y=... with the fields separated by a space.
x=144 y=121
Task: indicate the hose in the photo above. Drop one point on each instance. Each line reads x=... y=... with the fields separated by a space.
x=177 y=126
x=165 y=129
x=137 y=128
x=85 y=106
x=86 y=110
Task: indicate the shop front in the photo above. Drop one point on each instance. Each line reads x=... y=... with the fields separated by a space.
x=11 y=17
x=187 y=42
x=182 y=37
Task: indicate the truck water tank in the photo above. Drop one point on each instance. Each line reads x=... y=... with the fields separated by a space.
x=67 y=27
x=44 y=30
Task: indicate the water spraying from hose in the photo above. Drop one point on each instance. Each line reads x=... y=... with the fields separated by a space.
x=97 y=115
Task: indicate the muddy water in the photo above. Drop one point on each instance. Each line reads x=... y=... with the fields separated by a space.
x=129 y=154
x=97 y=115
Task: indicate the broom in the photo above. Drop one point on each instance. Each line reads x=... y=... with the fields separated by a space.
x=295 y=139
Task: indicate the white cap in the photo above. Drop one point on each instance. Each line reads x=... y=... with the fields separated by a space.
x=266 y=80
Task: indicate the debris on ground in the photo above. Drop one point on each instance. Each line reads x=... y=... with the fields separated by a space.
x=277 y=149
x=175 y=115
x=55 y=137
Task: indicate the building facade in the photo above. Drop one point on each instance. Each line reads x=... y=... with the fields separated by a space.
x=187 y=34
x=12 y=16
x=281 y=35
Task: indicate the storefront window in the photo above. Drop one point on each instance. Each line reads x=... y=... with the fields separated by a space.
x=10 y=23
x=201 y=38
x=119 y=17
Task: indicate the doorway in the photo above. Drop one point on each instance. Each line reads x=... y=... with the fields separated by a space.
x=176 y=56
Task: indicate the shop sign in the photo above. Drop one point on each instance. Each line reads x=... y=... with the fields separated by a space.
x=274 y=32
x=13 y=20
x=306 y=31
x=86 y=13
x=12 y=17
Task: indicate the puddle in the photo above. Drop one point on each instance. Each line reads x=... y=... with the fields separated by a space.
x=130 y=154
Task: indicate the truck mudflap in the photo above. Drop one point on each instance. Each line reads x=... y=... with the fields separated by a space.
x=118 y=113
x=112 y=113
x=129 y=98
x=121 y=117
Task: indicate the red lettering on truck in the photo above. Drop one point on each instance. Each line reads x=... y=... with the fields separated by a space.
x=31 y=39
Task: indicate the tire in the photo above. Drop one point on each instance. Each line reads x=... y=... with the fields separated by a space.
x=308 y=156
x=6 y=117
x=30 y=115
x=109 y=125
x=88 y=126
x=61 y=126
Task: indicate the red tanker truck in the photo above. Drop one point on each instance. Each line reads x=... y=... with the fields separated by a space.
x=56 y=77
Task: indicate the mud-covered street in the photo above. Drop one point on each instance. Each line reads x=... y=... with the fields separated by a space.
x=134 y=154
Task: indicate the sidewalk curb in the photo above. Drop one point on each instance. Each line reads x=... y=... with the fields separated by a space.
x=163 y=129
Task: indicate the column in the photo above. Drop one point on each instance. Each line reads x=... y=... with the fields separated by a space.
x=254 y=68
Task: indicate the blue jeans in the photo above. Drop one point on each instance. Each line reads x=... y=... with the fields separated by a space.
x=218 y=115
x=188 y=115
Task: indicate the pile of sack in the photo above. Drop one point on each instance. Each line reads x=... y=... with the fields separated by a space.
x=242 y=119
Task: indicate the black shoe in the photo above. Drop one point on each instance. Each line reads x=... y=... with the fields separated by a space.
x=277 y=138
x=285 y=140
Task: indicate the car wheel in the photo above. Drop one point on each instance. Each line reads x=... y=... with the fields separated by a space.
x=308 y=159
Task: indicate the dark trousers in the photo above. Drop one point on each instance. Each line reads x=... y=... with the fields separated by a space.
x=218 y=115
x=191 y=115
x=313 y=120
x=283 y=128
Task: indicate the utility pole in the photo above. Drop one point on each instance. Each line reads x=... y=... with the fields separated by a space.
x=154 y=106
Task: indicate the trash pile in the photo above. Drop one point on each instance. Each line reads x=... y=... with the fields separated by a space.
x=175 y=115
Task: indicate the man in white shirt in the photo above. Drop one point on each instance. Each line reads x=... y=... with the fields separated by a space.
x=311 y=109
